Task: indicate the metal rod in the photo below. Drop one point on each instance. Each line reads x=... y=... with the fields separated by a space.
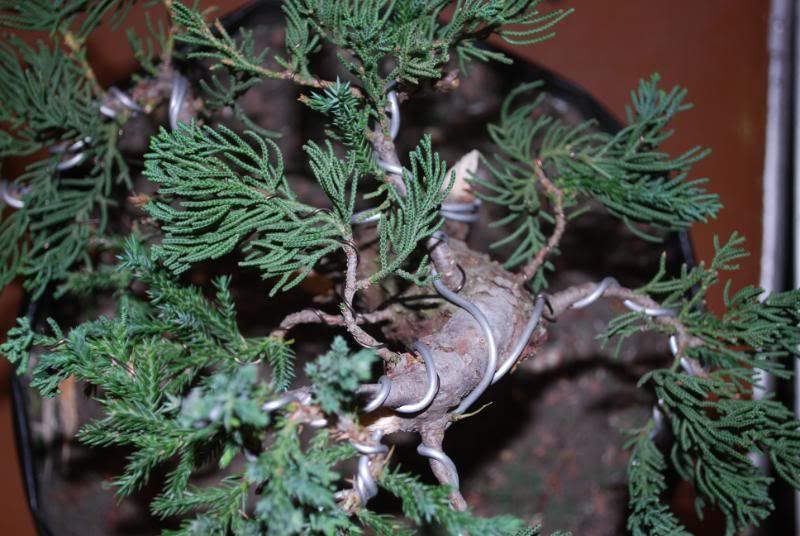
x=394 y=113
x=8 y=197
x=278 y=403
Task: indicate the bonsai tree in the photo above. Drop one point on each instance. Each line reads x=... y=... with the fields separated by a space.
x=426 y=324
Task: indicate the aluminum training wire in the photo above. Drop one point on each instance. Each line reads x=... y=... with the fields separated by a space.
x=488 y=335
x=433 y=381
x=180 y=86
x=596 y=293
x=10 y=195
x=119 y=96
x=522 y=341
x=75 y=149
x=466 y=212
x=364 y=481
x=365 y=484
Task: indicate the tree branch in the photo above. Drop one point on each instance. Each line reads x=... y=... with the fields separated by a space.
x=315 y=316
x=557 y=196
x=563 y=300
x=351 y=323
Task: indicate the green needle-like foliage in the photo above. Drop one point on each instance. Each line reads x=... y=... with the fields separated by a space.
x=62 y=213
x=78 y=16
x=175 y=380
x=646 y=483
x=715 y=421
x=65 y=112
x=235 y=66
x=412 y=33
x=214 y=43
x=216 y=192
x=414 y=217
x=348 y=121
x=430 y=504
x=338 y=373
x=626 y=171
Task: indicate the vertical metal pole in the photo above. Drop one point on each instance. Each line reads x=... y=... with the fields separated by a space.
x=776 y=178
x=796 y=216
x=777 y=159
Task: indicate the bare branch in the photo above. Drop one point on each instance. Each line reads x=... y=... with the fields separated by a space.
x=557 y=197
x=351 y=323
x=315 y=316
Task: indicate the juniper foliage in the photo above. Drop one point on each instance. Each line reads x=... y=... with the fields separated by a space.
x=716 y=424
x=63 y=211
x=183 y=388
x=626 y=171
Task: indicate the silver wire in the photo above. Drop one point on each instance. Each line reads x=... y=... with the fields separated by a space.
x=440 y=236
x=364 y=482
x=318 y=423
x=108 y=111
x=363 y=494
x=124 y=99
x=366 y=479
x=596 y=293
x=649 y=311
x=9 y=198
x=686 y=364
x=480 y=318
x=470 y=206
x=380 y=396
x=444 y=459
x=64 y=148
x=658 y=420
x=522 y=342
x=394 y=113
x=394 y=129
x=180 y=86
x=359 y=219
x=278 y=403
x=460 y=216
x=433 y=381
x=394 y=169
x=363 y=448
x=673 y=345
x=71 y=162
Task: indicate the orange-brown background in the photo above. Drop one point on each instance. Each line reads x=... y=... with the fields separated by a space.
x=715 y=48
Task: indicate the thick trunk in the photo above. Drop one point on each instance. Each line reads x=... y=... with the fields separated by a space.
x=459 y=348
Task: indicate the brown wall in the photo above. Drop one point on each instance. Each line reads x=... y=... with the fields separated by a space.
x=715 y=48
